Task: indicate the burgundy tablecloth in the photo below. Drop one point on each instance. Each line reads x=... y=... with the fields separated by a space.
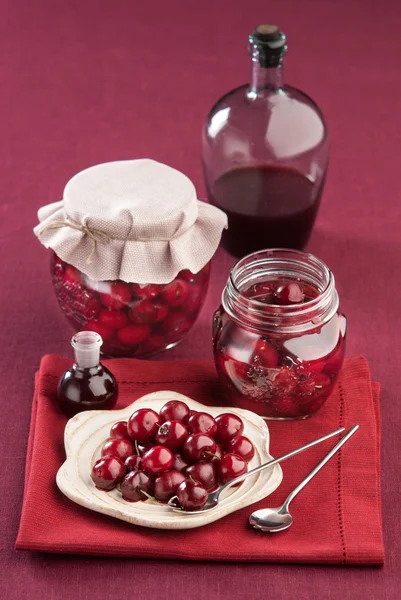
x=86 y=82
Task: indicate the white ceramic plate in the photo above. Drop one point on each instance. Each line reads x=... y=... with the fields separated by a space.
x=86 y=432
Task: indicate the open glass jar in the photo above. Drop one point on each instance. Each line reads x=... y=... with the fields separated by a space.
x=279 y=337
x=131 y=249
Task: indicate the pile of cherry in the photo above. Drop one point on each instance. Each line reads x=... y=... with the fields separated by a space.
x=130 y=317
x=176 y=452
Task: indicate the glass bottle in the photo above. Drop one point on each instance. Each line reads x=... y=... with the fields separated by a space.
x=87 y=385
x=279 y=335
x=265 y=154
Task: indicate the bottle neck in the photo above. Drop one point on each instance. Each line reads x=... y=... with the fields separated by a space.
x=276 y=264
x=265 y=80
x=86 y=346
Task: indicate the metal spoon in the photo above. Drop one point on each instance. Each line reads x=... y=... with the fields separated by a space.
x=213 y=497
x=278 y=519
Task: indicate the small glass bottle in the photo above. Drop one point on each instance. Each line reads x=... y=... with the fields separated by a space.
x=265 y=154
x=279 y=335
x=88 y=385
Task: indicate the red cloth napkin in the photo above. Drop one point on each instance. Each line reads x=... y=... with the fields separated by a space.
x=337 y=517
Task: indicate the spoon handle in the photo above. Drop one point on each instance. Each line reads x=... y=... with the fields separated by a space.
x=321 y=464
x=279 y=459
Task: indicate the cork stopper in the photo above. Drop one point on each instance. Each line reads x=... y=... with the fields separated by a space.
x=267 y=45
x=266 y=32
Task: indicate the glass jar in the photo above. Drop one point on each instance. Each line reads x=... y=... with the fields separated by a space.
x=265 y=153
x=133 y=319
x=279 y=337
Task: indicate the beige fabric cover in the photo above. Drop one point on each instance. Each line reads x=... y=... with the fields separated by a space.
x=135 y=220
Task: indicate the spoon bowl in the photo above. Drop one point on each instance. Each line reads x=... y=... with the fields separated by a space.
x=271 y=519
x=278 y=519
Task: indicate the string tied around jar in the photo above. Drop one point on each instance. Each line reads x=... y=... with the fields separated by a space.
x=95 y=235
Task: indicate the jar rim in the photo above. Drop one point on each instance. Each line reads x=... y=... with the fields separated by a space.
x=270 y=252
x=295 y=317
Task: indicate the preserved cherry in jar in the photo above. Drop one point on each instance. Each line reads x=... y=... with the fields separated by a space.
x=131 y=250
x=279 y=336
x=132 y=319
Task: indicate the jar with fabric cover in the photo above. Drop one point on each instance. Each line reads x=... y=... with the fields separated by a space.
x=130 y=254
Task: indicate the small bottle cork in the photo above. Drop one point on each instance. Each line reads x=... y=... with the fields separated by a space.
x=269 y=43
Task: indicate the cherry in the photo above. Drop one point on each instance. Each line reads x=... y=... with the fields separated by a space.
x=72 y=275
x=312 y=366
x=322 y=384
x=193 y=300
x=197 y=447
x=134 y=484
x=175 y=292
x=104 y=331
x=289 y=293
x=179 y=463
x=241 y=446
x=310 y=292
x=215 y=456
x=118 y=295
x=313 y=384
x=284 y=406
x=202 y=422
x=107 y=472
x=285 y=381
x=160 y=312
x=146 y=291
x=191 y=495
x=171 y=434
x=166 y=485
x=175 y=325
x=143 y=448
x=265 y=354
x=113 y=318
x=228 y=427
x=119 y=431
x=133 y=462
x=130 y=335
x=314 y=404
x=143 y=425
x=156 y=460
x=174 y=410
x=335 y=360
x=191 y=413
x=230 y=467
x=89 y=305
x=187 y=275
x=205 y=473
x=154 y=343
x=146 y=312
x=122 y=448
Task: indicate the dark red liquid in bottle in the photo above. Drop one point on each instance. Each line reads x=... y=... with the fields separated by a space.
x=79 y=389
x=87 y=385
x=267 y=207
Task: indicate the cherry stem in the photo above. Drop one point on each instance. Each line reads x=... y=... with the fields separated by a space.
x=192 y=479
x=136 y=447
x=147 y=495
x=212 y=454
